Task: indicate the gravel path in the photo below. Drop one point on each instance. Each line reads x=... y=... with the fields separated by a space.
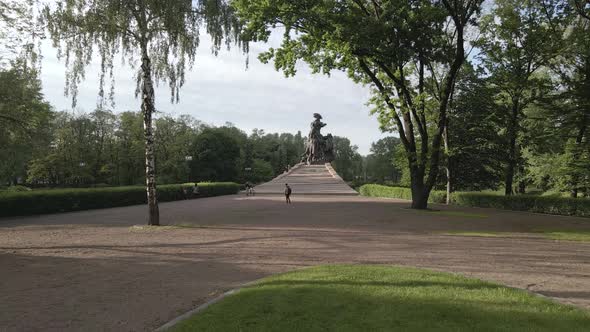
x=96 y=271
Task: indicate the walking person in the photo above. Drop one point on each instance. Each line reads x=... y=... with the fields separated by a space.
x=287 y=193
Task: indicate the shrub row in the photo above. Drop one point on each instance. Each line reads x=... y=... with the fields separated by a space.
x=539 y=204
x=376 y=190
x=63 y=200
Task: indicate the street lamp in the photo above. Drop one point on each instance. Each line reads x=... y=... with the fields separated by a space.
x=188 y=159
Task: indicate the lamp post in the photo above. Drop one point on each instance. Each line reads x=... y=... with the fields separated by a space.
x=188 y=159
x=82 y=164
x=248 y=173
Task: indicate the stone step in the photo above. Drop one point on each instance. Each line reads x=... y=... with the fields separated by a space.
x=307 y=180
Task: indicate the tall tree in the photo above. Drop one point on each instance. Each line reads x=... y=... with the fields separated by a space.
x=579 y=83
x=477 y=150
x=347 y=161
x=174 y=137
x=215 y=156
x=380 y=163
x=158 y=38
x=569 y=105
x=409 y=51
x=517 y=40
x=24 y=121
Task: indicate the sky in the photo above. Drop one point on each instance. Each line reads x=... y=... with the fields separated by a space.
x=220 y=89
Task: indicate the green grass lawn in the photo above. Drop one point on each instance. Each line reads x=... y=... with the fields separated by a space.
x=477 y=234
x=580 y=236
x=457 y=214
x=381 y=298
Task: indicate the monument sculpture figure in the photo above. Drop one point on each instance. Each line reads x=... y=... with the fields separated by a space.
x=319 y=149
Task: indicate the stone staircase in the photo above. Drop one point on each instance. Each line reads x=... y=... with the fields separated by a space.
x=307 y=180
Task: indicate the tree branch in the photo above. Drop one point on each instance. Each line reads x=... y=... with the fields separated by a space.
x=407 y=97
x=387 y=99
x=362 y=7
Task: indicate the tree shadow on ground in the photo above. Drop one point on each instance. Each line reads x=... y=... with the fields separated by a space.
x=130 y=293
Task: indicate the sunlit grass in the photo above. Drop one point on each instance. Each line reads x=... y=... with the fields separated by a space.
x=457 y=214
x=477 y=234
x=382 y=298
x=581 y=236
x=569 y=235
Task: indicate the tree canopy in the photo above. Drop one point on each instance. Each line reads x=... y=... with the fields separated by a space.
x=410 y=52
x=157 y=38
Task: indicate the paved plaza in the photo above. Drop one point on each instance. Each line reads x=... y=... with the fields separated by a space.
x=96 y=271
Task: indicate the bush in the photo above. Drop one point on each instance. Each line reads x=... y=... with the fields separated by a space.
x=63 y=200
x=208 y=189
x=376 y=190
x=540 y=204
x=18 y=188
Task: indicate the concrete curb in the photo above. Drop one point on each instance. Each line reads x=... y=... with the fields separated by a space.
x=332 y=171
x=196 y=310
x=202 y=307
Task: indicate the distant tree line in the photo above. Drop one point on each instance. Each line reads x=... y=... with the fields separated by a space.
x=41 y=147
x=480 y=99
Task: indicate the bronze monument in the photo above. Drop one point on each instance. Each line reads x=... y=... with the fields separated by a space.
x=319 y=149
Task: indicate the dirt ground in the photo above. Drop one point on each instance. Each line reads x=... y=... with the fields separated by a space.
x=95 y=271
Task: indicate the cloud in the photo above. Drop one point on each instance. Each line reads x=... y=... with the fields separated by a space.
x=220 y=89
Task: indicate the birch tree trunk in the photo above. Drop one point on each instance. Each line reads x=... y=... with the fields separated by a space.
x=148 y=109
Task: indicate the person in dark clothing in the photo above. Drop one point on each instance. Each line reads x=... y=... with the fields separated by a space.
x=287 y=193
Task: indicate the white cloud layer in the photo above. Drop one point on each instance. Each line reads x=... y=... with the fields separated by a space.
x=220 y=89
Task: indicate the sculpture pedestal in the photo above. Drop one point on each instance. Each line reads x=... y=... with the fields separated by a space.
x=307 y=180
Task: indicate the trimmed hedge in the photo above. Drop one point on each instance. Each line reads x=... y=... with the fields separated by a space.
x=64 y=200
x=377 y=190
x=539 y=204
x=566 y=206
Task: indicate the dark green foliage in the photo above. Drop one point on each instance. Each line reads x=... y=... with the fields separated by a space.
x=106 y=147
x=476 y=151
x=260 y=171
x=216 y=156
x=539 y=204
x=63 y=200
x=376 y=190
x=210 y=189
x=17 y=188
x=347 y=161
x=381 y=164
x=24 y=121
x=277 y=150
